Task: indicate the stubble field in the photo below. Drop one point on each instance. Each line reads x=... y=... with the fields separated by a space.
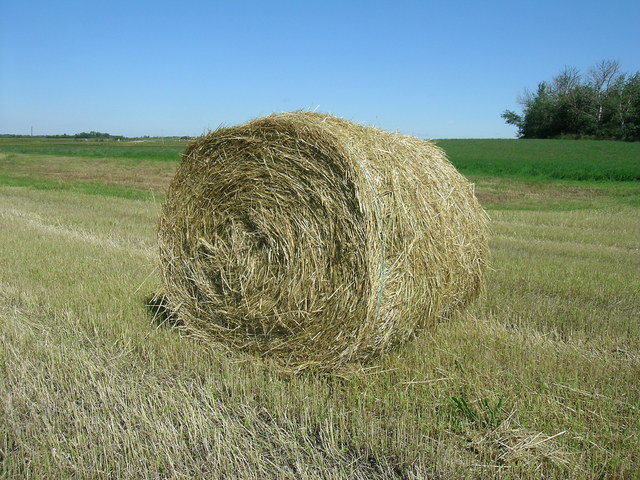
x=540 y=377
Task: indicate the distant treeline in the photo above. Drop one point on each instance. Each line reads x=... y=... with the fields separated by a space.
x=82 y=135
x=98 y=136
x=602 y=104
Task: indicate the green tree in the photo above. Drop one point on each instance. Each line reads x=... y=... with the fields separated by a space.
x=605 y=104
x=512 y=118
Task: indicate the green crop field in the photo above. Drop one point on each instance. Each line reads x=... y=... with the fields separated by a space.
x=157 y=150
x=538 y=379
x=547 y=159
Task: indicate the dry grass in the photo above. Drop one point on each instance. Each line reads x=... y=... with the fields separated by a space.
x=318 y=240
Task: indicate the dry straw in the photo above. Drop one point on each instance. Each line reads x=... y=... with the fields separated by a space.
x=317 y=240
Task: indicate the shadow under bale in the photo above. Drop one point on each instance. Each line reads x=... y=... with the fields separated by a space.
x=161 y=313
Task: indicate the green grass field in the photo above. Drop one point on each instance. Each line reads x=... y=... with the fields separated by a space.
x=547 y=159
x=538 y=379
x=157 y=150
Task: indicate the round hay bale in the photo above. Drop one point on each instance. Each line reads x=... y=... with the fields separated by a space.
x=317 y=240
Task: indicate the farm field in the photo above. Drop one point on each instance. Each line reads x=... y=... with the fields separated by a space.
x=538 y=379
x=547 y=159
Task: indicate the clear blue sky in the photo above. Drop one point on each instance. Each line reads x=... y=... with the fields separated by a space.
x=444 y=69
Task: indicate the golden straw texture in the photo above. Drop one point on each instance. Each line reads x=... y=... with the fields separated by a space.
x=319 y=241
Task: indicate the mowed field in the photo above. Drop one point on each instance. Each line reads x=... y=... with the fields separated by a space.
x=540 y=378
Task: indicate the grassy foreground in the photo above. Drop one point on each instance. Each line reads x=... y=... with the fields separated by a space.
x=538 y=379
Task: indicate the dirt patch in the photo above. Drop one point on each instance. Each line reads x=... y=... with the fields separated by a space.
x=153 y=176
x=517 y=196
x=496 y=191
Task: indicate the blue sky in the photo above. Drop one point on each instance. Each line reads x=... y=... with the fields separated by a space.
x=431 y=69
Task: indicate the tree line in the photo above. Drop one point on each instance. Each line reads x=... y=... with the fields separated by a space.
x=82 y=135
x=96 y=136
x=604 y=103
